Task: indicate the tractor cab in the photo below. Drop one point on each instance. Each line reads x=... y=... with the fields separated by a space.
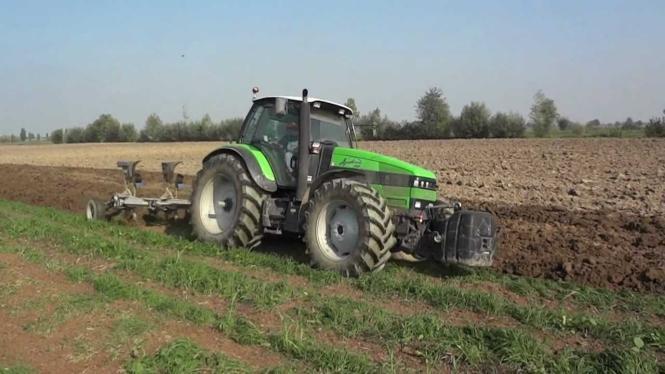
x=273 y=126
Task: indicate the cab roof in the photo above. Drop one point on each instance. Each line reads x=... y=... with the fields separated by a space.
x=309 y=100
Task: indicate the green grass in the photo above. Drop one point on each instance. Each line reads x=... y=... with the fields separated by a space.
x=15 y=369
x=67 y=307
x=127 y=330
x=630 y=344
x=233 y=325
x=131 y=238
x=183 y=356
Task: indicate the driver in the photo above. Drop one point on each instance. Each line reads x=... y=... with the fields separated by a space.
x=289 y=143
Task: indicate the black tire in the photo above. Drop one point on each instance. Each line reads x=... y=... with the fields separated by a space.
x=375 y=229
x=95 y=210
x=241 y=219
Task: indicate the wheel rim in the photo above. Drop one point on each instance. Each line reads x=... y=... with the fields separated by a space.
x=337 y=230
x=91 y=210
x=218 y=202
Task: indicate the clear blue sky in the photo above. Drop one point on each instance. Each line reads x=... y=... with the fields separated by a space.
x=65 y=62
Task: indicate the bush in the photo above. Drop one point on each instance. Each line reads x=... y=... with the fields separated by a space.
x=75 y=135
x=576 y=129
x=655 y=128
x=128 y=133
x=56 y=136
x=511 y=125
x=103 y=129
x=473 y=122
x=205 y=129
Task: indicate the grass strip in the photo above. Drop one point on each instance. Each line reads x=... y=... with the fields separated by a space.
x=15 y=369
x=475 y=345
x=297 y=346
x=183 y=356
x=446 y=297
x=174 y=271
x=578 y=295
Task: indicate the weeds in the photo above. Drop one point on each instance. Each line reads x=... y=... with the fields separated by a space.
x=15 y=369
x=144 y=254
x=183 y=356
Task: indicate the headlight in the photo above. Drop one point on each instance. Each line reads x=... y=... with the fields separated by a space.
x=428 y=184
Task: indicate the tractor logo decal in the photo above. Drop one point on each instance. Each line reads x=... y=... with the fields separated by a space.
x=350 y=162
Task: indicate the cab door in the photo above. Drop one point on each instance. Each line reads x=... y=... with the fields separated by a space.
x=276 y=135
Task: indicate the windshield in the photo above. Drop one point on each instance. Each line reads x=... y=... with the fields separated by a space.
x=327 y=126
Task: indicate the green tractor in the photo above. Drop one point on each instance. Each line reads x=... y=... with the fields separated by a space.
x=295 y=169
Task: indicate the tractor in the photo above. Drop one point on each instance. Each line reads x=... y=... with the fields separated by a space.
x=295 y=169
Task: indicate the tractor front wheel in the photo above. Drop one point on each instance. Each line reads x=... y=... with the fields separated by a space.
x=226 y=204
x=348 y=228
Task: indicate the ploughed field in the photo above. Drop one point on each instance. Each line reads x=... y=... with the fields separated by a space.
x=577 y=284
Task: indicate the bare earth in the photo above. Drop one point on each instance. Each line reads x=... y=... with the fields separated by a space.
x=619 y=174
x=589 y=210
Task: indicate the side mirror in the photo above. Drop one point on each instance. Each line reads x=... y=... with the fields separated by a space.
x=281 y=106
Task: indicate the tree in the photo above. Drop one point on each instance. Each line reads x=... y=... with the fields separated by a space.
x=128 y=133
x=543 y=114
x=593 y=124
x=370 y=124
x=230 y=128
x=39 y=136
x=351 y=103
x=655 y=127
x=23 y=135
x=473 y=122
x=75 y=135
x=629 y=124
x=103 y=129
x=56 y=136
x=153 y=128
x=510 y=125
x=433 y=113
x=564 y=123
x=31 y=136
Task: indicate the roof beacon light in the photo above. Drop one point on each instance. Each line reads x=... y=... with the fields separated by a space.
x=255 y=90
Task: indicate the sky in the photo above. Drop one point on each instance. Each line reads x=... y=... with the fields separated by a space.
x=63 y=63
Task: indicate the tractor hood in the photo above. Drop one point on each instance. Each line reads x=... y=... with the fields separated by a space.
x=351 y=158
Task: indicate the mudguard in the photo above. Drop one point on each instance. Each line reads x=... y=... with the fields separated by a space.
x=333 y=174
x=255 y=161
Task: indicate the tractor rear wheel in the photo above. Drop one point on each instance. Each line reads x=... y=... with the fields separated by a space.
x=226 y=204
x=348 y=228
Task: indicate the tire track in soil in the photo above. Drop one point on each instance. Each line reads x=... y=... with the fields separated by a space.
x=602 y=248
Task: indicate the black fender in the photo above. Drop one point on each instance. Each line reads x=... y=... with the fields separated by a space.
x=334 y=173
x=251 y=164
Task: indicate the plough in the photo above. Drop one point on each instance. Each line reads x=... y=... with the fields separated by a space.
x=127 y=201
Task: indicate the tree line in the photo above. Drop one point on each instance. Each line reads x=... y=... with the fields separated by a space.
x=24 y=136
x=106 y=129
x=435 y=121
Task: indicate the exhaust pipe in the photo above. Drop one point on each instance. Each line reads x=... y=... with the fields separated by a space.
x=303 y=148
